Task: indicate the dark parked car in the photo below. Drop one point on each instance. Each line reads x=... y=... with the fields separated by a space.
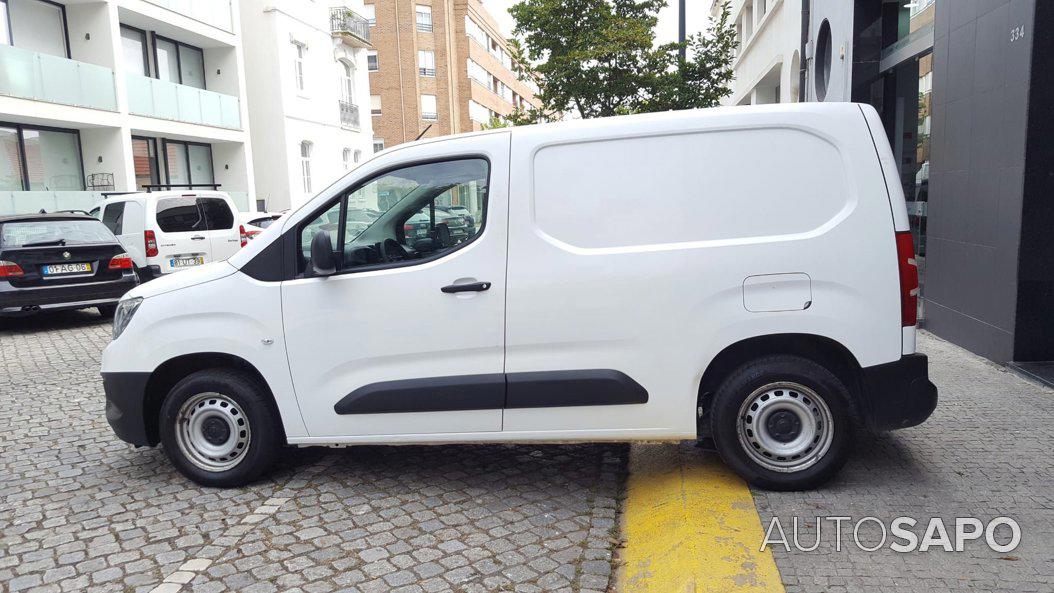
x=460 y=211
x=419 y=226
x=51 y=262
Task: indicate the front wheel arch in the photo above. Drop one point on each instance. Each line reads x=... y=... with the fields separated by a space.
x=172 y=371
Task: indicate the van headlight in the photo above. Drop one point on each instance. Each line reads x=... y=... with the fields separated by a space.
x=125 y=309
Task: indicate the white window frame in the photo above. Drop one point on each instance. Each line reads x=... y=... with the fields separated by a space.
x=376 y=60
x=419 y=22
x=369 y=12
x=378 y=145
x=426 y=62
x=298 y=65
x=430 y=115
x=305 y=165
x=375 y=105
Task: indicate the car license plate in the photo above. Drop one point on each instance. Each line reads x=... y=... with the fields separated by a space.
x=186 y=262
x=56 y=269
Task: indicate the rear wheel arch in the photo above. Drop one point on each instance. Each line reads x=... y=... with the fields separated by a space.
x=172 y=371
x=822 y=350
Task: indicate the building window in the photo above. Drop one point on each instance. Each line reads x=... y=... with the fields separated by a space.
x=35 y=25
x=378 y=144
x=144 y=162
x=188 y=164
x=133 y=47
x=178 y=62
x=478 y=73
x=298 y=66
x=347 y=82
x=305 y=165
x=358 y=155
x=480 y=114
x=424 y=18
x=369 y=12
x=371 y=61
x=39 y=159
x=429 y=110
x=476 y=33
x=346 y=158
x=426 y=63
x=375 y=104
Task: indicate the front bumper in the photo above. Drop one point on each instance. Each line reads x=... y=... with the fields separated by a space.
x=125 y=407
x=898 y=394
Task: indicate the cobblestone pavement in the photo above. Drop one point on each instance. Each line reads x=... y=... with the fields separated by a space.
x=985 y=452
x=80 y=510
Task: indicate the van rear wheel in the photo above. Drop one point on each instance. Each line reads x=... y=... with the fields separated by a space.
x=219 y=428
x=782 y=423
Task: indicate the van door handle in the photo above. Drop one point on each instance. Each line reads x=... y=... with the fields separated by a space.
x=197 y=238
x=474 y=287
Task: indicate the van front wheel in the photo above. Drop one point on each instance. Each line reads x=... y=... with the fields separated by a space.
x=782 y=423
x=219 y=428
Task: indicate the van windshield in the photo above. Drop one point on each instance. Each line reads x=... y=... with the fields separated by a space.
x=40 y=233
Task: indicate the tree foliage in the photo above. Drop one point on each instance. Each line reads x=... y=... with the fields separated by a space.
x=599 y=58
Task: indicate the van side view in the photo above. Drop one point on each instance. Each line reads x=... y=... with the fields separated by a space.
x=168 y=231
x=744 y=274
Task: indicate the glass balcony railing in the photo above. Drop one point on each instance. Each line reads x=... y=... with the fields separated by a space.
x=43 y=77
x=153 y=97
x=212 y=12
x=26 y=202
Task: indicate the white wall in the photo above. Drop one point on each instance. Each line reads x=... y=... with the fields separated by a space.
x=282 y=115
x=766 y=58
x=114 y=146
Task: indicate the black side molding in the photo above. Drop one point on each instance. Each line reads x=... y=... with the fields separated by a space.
x=546 y=389
x=433 y=394
x=553 y=389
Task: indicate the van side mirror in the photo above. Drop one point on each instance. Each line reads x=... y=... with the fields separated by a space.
x=322 y=261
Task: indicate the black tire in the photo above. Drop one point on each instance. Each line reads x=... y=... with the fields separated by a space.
x=782 y=374
x=265 y=429
x=107 y=311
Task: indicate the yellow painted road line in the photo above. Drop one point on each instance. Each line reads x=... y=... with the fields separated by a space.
x=690 y=526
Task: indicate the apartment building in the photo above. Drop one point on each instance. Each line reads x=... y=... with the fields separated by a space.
x=767 y=58
x=440 y=65
x=119 y=95
x=308 y=93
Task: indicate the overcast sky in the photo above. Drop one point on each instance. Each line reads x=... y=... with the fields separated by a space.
x=698 y=13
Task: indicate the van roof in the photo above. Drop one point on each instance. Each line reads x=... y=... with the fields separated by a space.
x=173 y=193
x=792 y=111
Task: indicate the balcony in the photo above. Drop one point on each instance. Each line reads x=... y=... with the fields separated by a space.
x=349 y=114
x=211 y=12
x=24 y=202
x=153 y=97
x=43 y=77
x=349 y=27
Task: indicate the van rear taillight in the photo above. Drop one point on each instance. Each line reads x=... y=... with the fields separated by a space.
x=241 y=233
x=151 y=243
x=909 y=279
x=9 y=269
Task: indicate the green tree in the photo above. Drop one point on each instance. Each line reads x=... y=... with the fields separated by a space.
x=598 y=57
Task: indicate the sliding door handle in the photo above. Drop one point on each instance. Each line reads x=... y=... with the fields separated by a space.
x=473 y=287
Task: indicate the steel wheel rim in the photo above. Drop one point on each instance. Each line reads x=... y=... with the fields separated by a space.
x=785 y=427
x=212 y=431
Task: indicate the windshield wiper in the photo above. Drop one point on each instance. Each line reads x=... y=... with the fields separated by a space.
x=61 y=242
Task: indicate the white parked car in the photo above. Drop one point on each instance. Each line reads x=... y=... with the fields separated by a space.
x=744 y=274
x=169 y=231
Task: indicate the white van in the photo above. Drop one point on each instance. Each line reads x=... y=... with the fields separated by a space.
x=744 y=274
x=168 y=231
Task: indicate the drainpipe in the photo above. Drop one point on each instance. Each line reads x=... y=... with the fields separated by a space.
x=803 y=60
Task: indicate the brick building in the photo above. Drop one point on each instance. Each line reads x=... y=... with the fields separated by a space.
x=438 y=62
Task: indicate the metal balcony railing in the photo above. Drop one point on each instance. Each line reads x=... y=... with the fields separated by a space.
x=349 y=114
x=344 y=22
